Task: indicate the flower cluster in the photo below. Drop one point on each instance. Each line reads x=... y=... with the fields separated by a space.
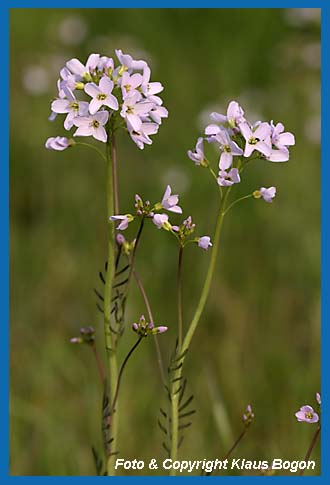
x=87 y=336
x=248 y=416
x=169 y=203
x=122 y=95
x=237 y=139
x=143 y=328
x=307 y=414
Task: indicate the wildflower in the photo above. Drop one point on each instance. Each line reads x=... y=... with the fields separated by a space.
x=71 y=106
x=58 y=143
x=101 y=95
x=92 y=125
x=150 y=88
x=228 y=178
x=318 y=398
x=248 y=416
x=307 y=414
x=169 y=201
x=160 y=220
x=234 y=117
x=228 y=149
x=125 y=220
x=129 y=83
x=143 y=328
x=267 y=194
x=280 y=138
x=133 y=109
x=157 y=112
x=204 y=242
x=281 y=155
x=83 y=71
x=198 y=155
x=128 y=63
x=141 y=137
x=258 y=139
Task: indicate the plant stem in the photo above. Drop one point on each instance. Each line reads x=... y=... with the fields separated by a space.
x=115 y=175
x=93 y=147
x=109 y=337
x=151 y=318
x=99 y=364
x=227 y=455
x=209 y=276
x=310 y=449
x=180 y=319
x=177 y=377
x=237 y=201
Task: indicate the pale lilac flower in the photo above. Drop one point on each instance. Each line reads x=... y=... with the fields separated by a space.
x=204 y=242
x=129 y=83
x=58 y=143
x=158 y=112
x=125 y=220
x=120 y=238
x=101 y=95
x=280 y=138
x=228 y=178
x=267 y=194
x=143 y=328
x=78 y=68
x=150 y=88
x=159 y=220
x=133 y=110
x=92 y=125
x=160 y=329
x=307 y=414
x=281 y=155
x=128 y=62
x=169 y=201
x=248 y=416
x=318 y=398
x=258 y=139
x=141 y=137
x=71 y=106
x=198 y=155
x=228 y=149
x=105 y=64
x=234 y=117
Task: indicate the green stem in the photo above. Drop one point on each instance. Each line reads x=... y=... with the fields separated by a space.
x=109 y=336
x=180 y=319
x=177 y=377
x=93 y=147
x=209 y=276
x=237 y=201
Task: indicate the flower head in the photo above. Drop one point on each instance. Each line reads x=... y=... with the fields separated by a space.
x=267 y=194
x=92 y=125
x=248 y=416
x=228 y=178
x=204 y=242
x=198 y=155
x=307 y=414
x=58 y=143
x=143 y=328
x=169 y=201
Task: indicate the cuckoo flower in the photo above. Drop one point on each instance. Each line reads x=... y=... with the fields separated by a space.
x=160 y=220
x=133 y=110
x=58 y=143
x=150 y=88
x=142 y=136
x=307 y=414
x=71 y=106
x=267 y=194
x=228 y=178
x=158 y=112
x=198 y=155
x=83 y=71
x=92 y=125
x=204 y=242
x=125 y=220
x=143 y=328
x=233 y=118
x=280 y=138
x=256 y=139
x=169 y=201
x=101 y=94
x=129 y=83
x=128 y=63
x=228 y=149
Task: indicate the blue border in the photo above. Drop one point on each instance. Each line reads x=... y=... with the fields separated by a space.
x=4 y=212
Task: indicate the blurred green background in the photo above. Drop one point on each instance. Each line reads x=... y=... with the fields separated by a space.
x=259 y=338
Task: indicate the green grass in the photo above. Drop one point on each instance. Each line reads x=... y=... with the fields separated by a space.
x=259 y=339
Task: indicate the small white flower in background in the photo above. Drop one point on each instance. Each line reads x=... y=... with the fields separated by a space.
x=266 y=194
x=92 y=125
x=204 y=242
